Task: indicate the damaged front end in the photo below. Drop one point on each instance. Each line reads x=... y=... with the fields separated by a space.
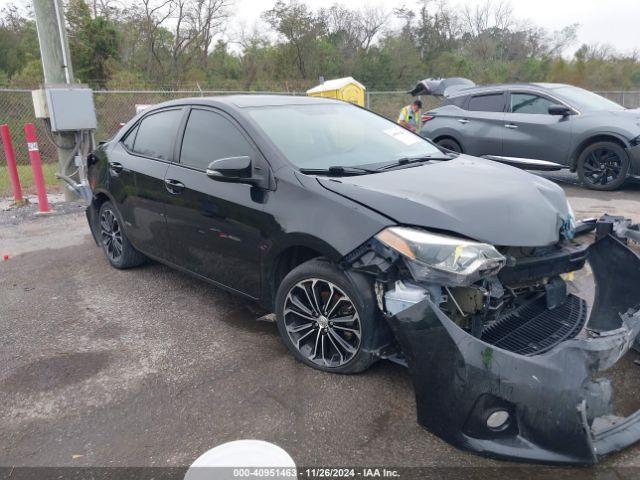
x=503 y=358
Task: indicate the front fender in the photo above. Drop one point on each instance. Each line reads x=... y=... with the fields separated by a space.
x=586 y=137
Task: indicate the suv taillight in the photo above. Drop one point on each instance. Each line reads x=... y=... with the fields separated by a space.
x=426 y=117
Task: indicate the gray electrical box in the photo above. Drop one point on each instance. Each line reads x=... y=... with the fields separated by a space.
x=70 y=108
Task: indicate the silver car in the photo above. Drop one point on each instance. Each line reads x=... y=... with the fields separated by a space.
x=541 y=125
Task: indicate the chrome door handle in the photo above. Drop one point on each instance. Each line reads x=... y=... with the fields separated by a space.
x=173 y=186
x=115 y=167
x=511 y=126
x=463 y=121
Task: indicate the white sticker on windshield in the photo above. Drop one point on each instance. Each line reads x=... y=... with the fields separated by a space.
x=402 y=135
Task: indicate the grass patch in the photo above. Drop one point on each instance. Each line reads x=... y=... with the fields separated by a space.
x=26 y=179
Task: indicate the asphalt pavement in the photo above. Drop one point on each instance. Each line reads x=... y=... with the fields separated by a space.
x=151 y=367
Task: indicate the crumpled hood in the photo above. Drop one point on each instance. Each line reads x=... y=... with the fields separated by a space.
x=473 y=197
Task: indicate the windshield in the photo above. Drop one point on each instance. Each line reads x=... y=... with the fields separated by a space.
x=320 y=136
x=586 y=100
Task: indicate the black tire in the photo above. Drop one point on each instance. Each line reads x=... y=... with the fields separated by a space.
x=450 y=144
x=358 y=291
x=603 y=166
x=114 y=242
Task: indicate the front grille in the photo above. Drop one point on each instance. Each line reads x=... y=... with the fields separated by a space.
x=533 y=329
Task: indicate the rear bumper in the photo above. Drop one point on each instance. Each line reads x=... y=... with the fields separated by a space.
x=559 y=410
x=92 y=219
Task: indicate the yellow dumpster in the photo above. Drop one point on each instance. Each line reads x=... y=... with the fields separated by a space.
x=346 y=89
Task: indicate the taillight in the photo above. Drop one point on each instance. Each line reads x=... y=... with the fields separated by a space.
x=426 y=117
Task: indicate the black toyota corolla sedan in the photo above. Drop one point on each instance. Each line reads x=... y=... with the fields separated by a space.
x=369 y=242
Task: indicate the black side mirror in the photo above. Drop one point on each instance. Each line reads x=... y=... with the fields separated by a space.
x=560 y=110
x=230 y=169
x=236 y=169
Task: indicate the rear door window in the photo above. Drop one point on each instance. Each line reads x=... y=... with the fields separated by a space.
x=492 y=102
x=209 y=136
x=457 y=101
x=529 y=103
x=157 y=134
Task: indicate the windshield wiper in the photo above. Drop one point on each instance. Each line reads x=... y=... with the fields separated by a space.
x=408 y=160
x=338 y=170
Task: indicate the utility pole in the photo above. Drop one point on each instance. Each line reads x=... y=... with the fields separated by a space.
x=56 y=64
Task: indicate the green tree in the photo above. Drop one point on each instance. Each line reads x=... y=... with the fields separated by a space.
x=300 y=27
x=18 y=42
x=93 y=43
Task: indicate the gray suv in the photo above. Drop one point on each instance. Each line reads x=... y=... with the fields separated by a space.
x=534 y=124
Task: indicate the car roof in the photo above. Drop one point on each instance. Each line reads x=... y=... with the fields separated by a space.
x=505 y=86
x=233 y=104
x=245 y=101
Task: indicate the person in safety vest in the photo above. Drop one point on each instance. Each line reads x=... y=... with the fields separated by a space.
x=410 y=116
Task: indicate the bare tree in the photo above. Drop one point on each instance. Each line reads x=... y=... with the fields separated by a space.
x=438 y=28
x=353 y=30
x=106 y=8
x=253 y=43
x=208 y=20
x=598 y=52
x=558 y=41
x=372 y=22
x=11 y=17
x=183 y=36
x=488 y=15
x=154 y=15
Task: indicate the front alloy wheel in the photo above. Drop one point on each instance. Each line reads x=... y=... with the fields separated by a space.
x=329 y=319
x=322 y=322
x=603 y=166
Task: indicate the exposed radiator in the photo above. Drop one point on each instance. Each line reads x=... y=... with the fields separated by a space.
x=533 y=329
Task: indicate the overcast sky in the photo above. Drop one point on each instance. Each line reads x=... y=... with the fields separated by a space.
x=613 y=22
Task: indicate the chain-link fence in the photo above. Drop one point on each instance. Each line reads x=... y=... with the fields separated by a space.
x=626 y=99
x=16 y=109
x=116 y=107
x=113 y=107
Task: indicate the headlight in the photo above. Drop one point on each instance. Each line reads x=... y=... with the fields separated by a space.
x=442 y=259
x=569 y=225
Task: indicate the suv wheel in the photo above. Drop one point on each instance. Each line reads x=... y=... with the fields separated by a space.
x=603 y=166
x=328 y=319
x=115 y=244
x=450 y=144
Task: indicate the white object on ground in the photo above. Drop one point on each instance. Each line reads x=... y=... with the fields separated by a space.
x=240 y=454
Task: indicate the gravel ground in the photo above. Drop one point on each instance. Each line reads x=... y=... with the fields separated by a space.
x=150 y=367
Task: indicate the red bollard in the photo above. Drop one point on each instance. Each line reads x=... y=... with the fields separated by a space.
x=11 y=164
x=36 y=166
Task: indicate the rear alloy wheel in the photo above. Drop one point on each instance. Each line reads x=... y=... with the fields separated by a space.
x=115 y=244
x=603 y=166
x=450 y=144
x=323 y=319
x=111 y=235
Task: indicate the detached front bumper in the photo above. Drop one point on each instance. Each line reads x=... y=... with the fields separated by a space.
x=634 y=156
x=558 y=410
